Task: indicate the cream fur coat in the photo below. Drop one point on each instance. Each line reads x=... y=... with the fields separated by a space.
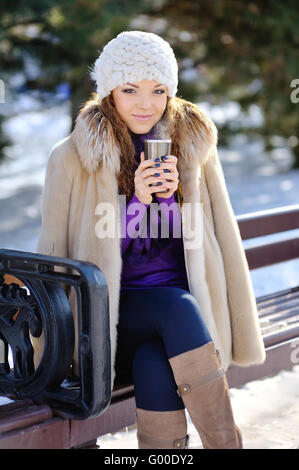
x=81 y=174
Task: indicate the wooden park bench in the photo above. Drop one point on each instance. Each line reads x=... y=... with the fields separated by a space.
x=74 y=414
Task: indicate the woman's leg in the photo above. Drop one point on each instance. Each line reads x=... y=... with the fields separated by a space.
x=161 y=419
x=143 y=330
x=173 y=315
x=169 y=313
x=204 y=390
x=154 y=384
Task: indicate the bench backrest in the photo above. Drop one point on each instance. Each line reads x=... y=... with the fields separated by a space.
x=269 y=222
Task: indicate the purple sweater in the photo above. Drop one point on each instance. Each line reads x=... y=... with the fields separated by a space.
x=157 y=260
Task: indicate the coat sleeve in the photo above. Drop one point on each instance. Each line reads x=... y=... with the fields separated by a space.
x=53 y=235
x=52 y=238
x=247 y=341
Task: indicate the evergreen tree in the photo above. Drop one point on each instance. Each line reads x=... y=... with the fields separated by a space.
x=243 y=51
x=239 y=51
x=64 y=37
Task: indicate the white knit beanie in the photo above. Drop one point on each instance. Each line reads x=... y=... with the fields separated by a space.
x=133 y=56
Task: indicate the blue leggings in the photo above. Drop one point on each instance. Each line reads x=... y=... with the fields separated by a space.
x=156 y=324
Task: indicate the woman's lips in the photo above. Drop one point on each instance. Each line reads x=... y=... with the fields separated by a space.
x=142 y=118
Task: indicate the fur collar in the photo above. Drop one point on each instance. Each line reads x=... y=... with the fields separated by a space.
x=96 y=143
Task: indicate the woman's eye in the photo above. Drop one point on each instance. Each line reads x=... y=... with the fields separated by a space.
x=130 y=89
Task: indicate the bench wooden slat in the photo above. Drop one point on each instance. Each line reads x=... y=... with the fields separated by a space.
x=272 y=253
x=24 y=417
x=285 y=316
x=122 y=393
x=276 y=298
x=268 y=222
x=279 y=357
x=279 y=316
x=268 y=325
x=14 y=406
x=118 y=416
x=277 y=311
x=284 y=301
x=52 y=433
x=290 y=307
x=273 y=296
x=285 y=334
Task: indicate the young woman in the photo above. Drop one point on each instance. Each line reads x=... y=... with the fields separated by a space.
x=182 y=308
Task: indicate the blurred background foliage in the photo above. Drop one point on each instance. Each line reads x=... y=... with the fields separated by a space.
x=245 y=52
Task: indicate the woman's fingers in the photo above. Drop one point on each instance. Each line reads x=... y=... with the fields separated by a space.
x=150 y=172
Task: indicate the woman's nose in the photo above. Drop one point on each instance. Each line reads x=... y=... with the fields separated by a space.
x=145 y=103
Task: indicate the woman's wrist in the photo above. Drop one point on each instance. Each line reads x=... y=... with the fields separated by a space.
x=140 y=199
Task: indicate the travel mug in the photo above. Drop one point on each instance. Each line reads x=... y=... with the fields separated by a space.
x=157 y=148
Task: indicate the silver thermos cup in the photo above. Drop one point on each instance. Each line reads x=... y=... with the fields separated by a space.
x=157 y=148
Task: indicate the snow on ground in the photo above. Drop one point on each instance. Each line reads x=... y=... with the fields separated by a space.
x=22 y=173
x=267 y=410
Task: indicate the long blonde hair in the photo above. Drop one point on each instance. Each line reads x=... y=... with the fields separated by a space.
x=125 y=176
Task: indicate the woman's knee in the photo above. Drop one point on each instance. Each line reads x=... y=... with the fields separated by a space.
x=182 y=325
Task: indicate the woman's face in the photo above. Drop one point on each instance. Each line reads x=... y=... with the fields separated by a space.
x=145 y=98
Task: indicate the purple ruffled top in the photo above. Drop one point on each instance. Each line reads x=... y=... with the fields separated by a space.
x=154 y=257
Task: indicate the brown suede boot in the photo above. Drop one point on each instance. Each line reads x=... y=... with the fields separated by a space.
x=203 y=388
x=162 y=429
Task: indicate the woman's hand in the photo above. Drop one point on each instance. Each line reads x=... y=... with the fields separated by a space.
x=144 y=176
x=171 y=176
